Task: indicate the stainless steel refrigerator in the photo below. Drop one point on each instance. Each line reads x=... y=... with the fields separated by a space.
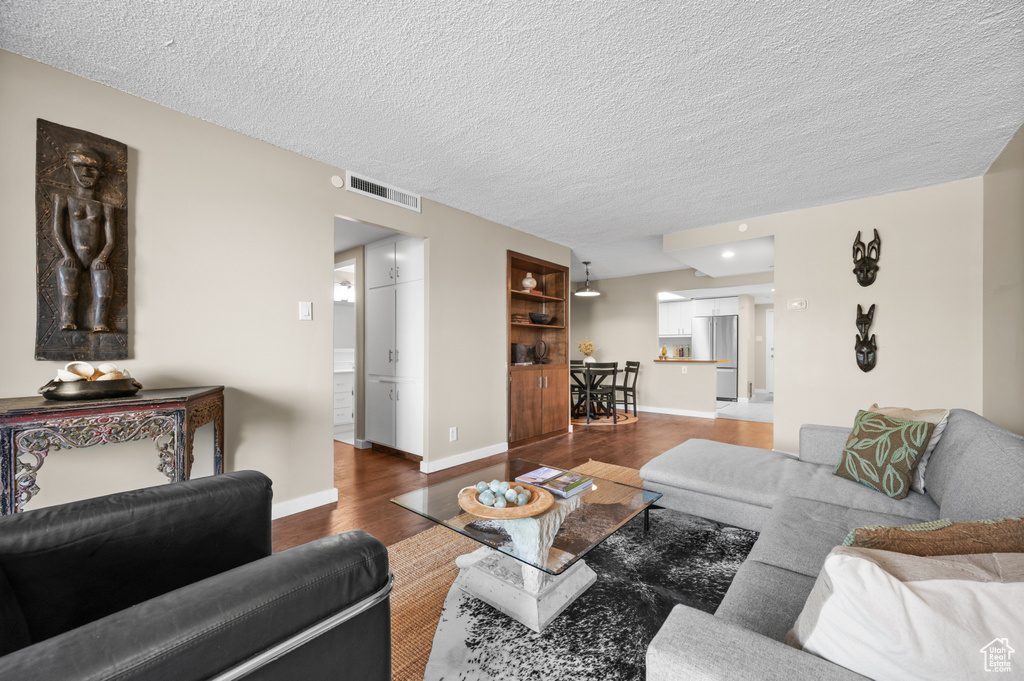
x=715 y=338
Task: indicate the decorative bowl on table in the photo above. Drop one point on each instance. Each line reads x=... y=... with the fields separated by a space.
x=81 y=381
x=93 y=390
x=540 y=318
x=540 y=501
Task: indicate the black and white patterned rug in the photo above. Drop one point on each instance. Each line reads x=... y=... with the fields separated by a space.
x=604 y=635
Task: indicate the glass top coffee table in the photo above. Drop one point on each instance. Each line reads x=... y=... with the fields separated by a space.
x=530 y=568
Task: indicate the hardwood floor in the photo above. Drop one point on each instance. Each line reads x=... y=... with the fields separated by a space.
x=367 y=480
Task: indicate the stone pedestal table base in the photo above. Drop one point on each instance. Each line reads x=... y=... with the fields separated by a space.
x=522 y=592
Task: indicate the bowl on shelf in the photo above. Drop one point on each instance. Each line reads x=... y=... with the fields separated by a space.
x=540 y=318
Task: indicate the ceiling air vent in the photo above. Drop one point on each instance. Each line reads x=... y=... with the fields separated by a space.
x=381 y=192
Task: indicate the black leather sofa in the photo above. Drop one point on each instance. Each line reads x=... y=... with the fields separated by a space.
x=178 y=582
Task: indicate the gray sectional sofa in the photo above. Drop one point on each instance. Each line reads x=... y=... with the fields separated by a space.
x=802 y=512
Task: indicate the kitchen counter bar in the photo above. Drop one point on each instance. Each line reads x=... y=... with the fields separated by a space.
x=687 y=359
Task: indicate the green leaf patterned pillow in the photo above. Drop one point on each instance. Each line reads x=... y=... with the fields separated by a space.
x=883 y=452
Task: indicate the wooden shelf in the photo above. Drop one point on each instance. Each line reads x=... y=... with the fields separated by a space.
x=539 y=326
x=528 y=367
x=538 y=397
x=519 y=295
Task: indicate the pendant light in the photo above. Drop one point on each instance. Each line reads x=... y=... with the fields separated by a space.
x=585 y=290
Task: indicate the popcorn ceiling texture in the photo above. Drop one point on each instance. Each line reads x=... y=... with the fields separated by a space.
x=598 y=125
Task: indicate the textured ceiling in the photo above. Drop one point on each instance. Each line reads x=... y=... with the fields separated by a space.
x=598 y=125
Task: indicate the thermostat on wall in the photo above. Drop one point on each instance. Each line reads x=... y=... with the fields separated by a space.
x=796 y=304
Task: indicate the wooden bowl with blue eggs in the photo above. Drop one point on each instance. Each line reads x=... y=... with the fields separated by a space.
x=540 y=501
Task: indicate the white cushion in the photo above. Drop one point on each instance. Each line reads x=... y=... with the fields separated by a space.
x=937 y=416
x=890 y=616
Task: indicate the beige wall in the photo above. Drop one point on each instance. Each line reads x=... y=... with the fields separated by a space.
x=1004 y=287
x=928 y=294
x=227 y=235
x=623 y=324
x=760 y=348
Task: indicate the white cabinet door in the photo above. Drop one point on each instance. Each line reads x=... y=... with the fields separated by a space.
x=380 y=331
x=409 y=330
x=380 y=265
x=728 y=306
x=675 y=317
x=380 y=412
x=409 y=417
x=663 y=322
x=704 y=307
x=686 y=317
x=409 y=260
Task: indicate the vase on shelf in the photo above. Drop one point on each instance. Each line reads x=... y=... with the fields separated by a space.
x=529 y=283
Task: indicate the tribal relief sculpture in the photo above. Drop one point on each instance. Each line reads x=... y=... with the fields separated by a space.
x=82 y=249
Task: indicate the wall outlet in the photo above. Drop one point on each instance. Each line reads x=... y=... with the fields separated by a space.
x=305 y=311
x=453 y=434
x=684 y=369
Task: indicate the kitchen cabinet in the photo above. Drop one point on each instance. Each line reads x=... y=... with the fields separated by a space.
x=538 y=393
x=394 y=261
x=675 y=318
x=394 y=417
x=716 y=307
x=394 y=340
x=727 y=306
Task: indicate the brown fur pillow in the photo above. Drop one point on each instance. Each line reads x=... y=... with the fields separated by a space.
x=943 y=537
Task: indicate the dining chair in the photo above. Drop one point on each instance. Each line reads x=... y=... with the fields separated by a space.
x=577 y=392
x=595 y=376
x=628 y=386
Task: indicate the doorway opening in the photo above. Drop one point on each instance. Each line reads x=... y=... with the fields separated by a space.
x=345 y=351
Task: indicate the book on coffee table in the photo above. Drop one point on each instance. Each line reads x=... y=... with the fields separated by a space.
x=540 y=475
x=568 y=484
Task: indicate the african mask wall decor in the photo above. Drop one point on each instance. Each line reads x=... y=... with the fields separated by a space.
x=865 y=347
x=865 y=259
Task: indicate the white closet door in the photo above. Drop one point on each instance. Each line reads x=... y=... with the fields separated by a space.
x=380 y=412
x=408 y=260
x=380 y=265
x=379 y=352
x=409 y=329
x=409 y=417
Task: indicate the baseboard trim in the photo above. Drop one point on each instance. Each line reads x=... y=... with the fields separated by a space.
x=362 y=444
x=760 y=391
x=293 y=506
x=465 y=457
x=678 y=412
x=742 y=399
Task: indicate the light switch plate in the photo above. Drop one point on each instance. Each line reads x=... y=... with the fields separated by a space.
x=305 y=311
x=796 y=304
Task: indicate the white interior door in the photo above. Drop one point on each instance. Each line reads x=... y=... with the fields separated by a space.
x=769 y=348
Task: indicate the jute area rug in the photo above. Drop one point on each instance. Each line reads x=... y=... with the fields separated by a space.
x=424 y=569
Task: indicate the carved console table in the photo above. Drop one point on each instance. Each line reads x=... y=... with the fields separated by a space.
x=30 y=427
